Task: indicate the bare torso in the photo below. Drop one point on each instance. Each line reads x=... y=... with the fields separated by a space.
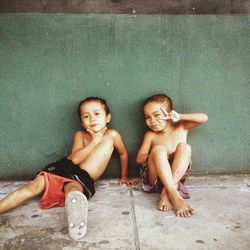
x=86 y=137
x=94 y=156
x=170 y=139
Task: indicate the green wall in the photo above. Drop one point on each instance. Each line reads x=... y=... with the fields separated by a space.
x=49 y=62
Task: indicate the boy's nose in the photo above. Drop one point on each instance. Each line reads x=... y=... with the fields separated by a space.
x=153 y=119
x=92 y=118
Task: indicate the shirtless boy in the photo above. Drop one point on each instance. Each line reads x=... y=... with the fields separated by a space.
x=73 y=177
x=165 y=154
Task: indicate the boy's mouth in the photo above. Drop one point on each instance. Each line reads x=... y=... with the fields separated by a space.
x=93 y=125
x=154 y=127
x=96 y=129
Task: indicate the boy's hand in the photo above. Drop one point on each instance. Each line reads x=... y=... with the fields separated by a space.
x=129 y=181
x=97 y=136
x=173 y=115
x=166 y=115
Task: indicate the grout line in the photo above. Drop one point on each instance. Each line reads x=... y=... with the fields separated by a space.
x=136 y=235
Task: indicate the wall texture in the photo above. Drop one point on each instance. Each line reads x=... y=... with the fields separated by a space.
x=127 y=6
x=49 y=62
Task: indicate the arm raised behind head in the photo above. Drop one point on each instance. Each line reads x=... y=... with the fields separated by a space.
x=192 y=120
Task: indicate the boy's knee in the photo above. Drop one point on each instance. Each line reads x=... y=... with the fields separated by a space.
x=184 y=148
x=37 y=185
x=70 y=186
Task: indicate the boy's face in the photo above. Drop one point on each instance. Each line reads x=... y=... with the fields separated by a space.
x=153 y=116
x=93 y=116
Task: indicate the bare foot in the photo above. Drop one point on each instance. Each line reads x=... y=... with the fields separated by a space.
x=164 y=203
x=181 y=207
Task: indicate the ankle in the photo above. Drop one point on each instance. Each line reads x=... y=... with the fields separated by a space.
x=173 y=194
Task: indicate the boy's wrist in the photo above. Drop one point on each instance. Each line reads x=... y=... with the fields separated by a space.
x=175 y=116
x=124 y=176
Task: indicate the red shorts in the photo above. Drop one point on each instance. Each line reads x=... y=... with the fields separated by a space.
x=54 y=195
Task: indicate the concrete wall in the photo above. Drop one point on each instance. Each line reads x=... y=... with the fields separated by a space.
x=127 y=6
x=49 y=62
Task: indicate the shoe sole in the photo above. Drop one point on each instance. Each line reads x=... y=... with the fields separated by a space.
x=77 y=213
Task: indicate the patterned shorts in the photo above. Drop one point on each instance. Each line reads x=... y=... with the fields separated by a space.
x=157 y=186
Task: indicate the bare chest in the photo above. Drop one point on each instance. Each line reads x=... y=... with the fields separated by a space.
x=170 y=140
x=87 y=138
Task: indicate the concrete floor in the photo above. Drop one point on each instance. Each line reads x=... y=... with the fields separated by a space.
x=122 y=218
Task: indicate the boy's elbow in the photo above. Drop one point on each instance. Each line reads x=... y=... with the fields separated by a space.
x=75 y=160
x=205 y=119
x=139 y=161
x=124 y=155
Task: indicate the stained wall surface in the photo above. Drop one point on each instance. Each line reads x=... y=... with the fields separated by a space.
x=49 y=62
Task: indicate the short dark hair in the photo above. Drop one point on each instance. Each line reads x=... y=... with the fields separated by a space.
x=94 y=99
x=162 y=98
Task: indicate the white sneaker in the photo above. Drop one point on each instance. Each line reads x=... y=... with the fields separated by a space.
x=76 y=205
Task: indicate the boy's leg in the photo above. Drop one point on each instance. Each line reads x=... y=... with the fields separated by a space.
x=160 y=161
x=98 y=159
x=76 y=203
x=76 y=206
x=181 y=162
x=71 y=186
x=21 y=195
x=164 y=203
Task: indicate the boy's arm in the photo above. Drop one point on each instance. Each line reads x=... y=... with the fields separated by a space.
x=123 y=154
x=188 y=121
x=77 y=144
x=79 y=151
x=143 y=152
x=192 y=120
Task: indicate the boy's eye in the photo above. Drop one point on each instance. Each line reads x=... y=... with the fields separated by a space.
x=97 y=113
x=85 y=116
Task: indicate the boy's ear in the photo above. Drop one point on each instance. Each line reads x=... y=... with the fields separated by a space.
x=108 y=119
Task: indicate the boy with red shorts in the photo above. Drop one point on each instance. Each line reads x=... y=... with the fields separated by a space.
x=70 y=181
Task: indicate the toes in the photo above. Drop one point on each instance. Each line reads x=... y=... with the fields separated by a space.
x=187 y=213
x=160 y=207
x=169 y=208
x=192 y=211
x=184 y=213
x=164 y=207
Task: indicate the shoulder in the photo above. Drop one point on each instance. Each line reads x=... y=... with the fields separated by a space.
x=149 y=134
x=81 y=134
x=113 y=133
